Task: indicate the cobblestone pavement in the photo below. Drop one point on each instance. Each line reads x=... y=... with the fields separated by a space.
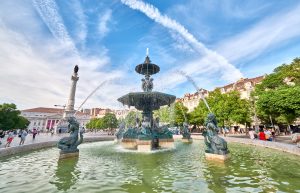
x=43 y=137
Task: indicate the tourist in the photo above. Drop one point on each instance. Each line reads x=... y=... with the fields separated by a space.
x=252 y=134
x=268 y=134
x=34 y=132
x=10 y=138
x=262 y=135
x=2 y=135
x=52 y=131
x=23 y=137
x=273 y=134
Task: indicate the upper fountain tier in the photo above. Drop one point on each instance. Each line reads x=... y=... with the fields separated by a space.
x=147 y=100
x=147 y=68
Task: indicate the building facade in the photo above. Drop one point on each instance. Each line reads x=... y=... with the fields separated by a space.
x=244 y=86
x=191 y=101
x=43 y=119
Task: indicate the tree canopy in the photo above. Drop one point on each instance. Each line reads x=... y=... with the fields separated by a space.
x=165 y=114
x=229 y=109
x=279 y=94
x=10 y=117
x=108 y=121
x=180 y=114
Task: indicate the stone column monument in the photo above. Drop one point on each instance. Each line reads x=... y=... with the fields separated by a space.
x=68 y=145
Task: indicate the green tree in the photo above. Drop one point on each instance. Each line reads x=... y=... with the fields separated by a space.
x=10 y=117
x=110 y=121
x=130 y=119
x=180 y=114
x=198 y=115
x=164 y=114
x=229 y=108
x=278 y=94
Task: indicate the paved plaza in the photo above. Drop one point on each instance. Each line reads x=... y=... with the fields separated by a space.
x=46 y=137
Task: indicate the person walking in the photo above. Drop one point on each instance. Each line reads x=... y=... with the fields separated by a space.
x=23 y=137
x=9 y=138
x=34 y=132
x=2 y=134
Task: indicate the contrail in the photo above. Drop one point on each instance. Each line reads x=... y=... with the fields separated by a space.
x=154 y=14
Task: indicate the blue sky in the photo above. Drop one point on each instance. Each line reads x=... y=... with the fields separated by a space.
x=215 y=42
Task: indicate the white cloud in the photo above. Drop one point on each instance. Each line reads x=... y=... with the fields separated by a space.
x=103 y=22
x=210 y=61
x=263 y=36
x=37 y=67
x=81 y=27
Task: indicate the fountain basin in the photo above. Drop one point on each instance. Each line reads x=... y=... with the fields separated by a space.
x=105 y=167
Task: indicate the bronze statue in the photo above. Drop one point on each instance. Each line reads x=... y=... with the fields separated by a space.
x=69 y=144
x=214 y=143
x=76 y=68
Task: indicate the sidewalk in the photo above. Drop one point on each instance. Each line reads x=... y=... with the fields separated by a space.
x=44 y=137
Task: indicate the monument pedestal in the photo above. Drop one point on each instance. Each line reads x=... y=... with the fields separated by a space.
x=129 y=143
x=64 y=155
x=217 y=157
x=166 y=143
x=186 y=140
x=144 y=145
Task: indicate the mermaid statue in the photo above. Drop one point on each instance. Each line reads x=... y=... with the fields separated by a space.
x=69 y=144
x=214 y=143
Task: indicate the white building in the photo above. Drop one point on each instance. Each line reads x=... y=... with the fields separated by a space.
x=43 y=119
x=191 y=101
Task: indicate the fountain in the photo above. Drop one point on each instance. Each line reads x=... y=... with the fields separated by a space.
x=147 y=134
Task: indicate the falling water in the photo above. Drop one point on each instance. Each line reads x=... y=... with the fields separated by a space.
x=197 y=88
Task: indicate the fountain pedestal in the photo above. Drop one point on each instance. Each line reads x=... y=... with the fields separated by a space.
x=144 y=145
x=64 y=155
x=217 y=157
x=129 y=143
x=166 y=143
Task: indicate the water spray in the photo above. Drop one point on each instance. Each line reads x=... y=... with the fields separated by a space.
x=197 y=88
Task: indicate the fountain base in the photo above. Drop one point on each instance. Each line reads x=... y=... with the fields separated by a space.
x=144 y=145
x=64 y=155
x=217 y=157
x=186 y=140
x=129 y=143
x=166 y=143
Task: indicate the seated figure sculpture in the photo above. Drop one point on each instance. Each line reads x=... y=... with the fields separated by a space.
x=186 y=134
x=121 y=130
x=214 y=143
x=145 y=132
x=69 y=144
